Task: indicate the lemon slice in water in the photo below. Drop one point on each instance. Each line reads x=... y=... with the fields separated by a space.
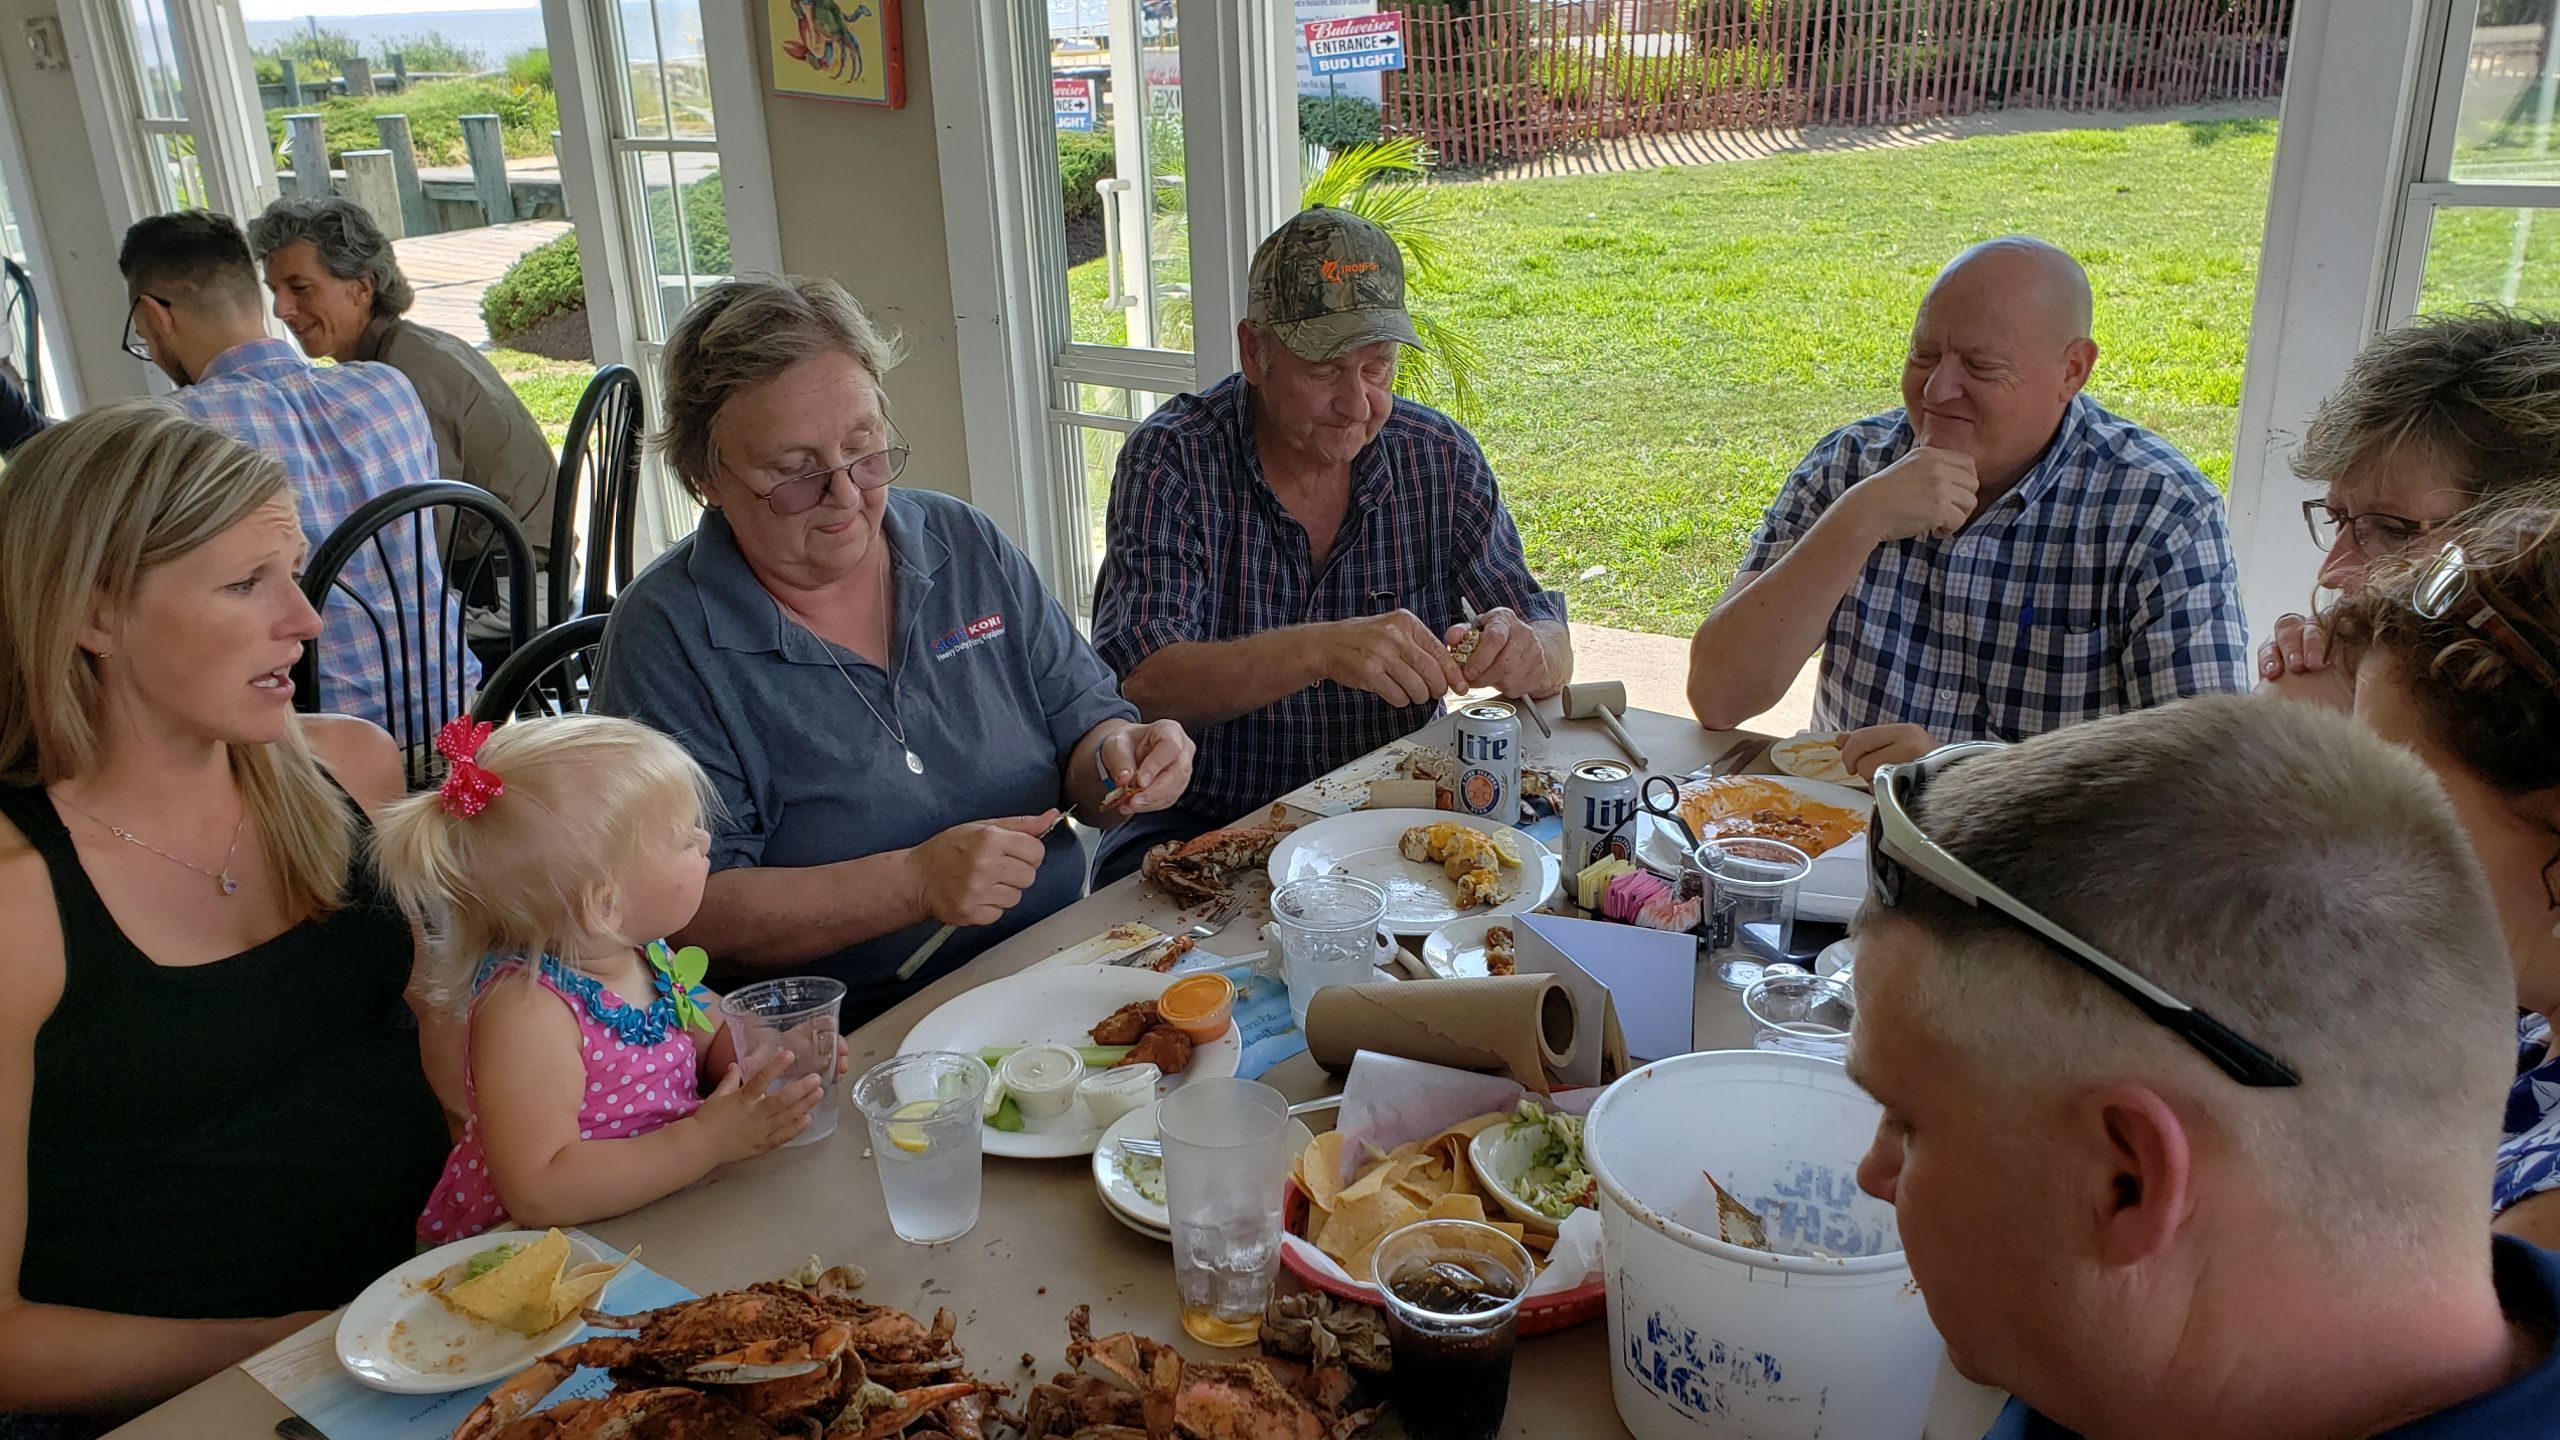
x=904 y=1132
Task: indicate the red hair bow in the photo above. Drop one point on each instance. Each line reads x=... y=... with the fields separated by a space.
x=467 y=789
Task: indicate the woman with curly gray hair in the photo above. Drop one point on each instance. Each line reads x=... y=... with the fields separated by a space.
x=2432 y=418
x=338 y=288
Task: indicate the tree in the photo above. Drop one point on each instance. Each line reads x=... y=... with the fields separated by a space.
x=1383 y=183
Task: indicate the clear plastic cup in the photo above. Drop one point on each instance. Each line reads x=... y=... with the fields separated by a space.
x=1745 y=881
x=926 y=1133
x=1800 y=1014
x=1327 y=930
x=1226 y=1162
x=1453 y=1290
x=798 y=1013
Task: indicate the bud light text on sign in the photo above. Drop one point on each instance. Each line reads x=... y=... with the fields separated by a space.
x=1355 y=43
x=1072 y=98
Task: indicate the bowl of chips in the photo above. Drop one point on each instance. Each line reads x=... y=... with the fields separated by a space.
x=1423 y=1180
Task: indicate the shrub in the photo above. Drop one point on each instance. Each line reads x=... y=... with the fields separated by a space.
x=1083 y=159
x=545 y=281
x=706 y=226
x=526 y=118
x=1337 y=122
x=530 y=67
x=430 y=52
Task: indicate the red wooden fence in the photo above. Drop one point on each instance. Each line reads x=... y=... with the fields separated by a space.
x=1508 y=80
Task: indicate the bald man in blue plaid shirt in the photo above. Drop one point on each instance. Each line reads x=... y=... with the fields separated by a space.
x=1998 y=558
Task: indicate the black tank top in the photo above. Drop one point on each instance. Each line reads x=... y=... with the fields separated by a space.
x=249 y=1137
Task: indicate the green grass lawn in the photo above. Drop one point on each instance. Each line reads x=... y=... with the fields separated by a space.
x=549 y=388
x=1667 y=345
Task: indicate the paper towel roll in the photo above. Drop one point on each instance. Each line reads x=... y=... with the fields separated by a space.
x=1525 y=1026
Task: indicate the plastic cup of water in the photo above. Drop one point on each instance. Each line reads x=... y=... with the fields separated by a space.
x=797 y=1013
x=927 y=1135
x=1745 y=881
x=1801 y=1014
x=1327 y=928
x=1226 y=1162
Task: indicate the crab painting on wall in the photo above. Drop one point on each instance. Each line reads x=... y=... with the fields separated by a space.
x=837 y=50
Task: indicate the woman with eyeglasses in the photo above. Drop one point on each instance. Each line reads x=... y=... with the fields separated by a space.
x=894 y=710
x=2432 y=418
x=2456 y=654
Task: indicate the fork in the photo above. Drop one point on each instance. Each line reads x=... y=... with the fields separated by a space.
x=1153 y=1146
x=1217 y=920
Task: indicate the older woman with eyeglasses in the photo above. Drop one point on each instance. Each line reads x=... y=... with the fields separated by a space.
x=892 y=707
x=2456 y=655
x=2431 y=419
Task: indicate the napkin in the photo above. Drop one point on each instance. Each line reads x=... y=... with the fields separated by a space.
x=1528 y=1027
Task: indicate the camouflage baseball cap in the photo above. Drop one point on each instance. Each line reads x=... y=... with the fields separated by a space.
x=1329 y=281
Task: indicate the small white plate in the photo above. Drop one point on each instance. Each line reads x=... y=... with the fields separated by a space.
x=1500 y=1155
x=1054 y=1007
x=1420 y=896
x=1147 y=1217
x=1814 y=755
x=1834 y=889
x=1455 y=951
x=399 y=1337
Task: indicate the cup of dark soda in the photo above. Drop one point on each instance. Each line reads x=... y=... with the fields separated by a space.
x=1453 y=1290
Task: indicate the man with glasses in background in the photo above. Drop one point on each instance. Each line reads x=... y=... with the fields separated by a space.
x=2190 y=1031
x=2431 y=419
x=1997 y=558
x=346 y=434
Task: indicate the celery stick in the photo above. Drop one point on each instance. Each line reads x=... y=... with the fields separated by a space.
x=1096 y=1057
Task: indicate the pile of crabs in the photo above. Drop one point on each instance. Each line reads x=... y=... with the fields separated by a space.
x=803 y=1357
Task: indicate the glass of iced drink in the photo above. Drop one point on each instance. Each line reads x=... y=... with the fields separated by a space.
x=1226 y=1161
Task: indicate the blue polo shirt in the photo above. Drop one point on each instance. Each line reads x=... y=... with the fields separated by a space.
x=2527 y=1408
x=994 y=689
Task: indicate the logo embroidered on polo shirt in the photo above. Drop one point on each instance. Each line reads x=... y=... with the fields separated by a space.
x=970 y=636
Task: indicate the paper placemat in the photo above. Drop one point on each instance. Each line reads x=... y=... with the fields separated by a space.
x=1339 y=792
x=1263 y=1023
x=303 y=1370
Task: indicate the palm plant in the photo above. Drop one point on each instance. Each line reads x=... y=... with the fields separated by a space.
x=1382 y=182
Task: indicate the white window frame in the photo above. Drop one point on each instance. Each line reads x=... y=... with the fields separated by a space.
x=1009 y=312
x=220 y=91
x=2430 y=186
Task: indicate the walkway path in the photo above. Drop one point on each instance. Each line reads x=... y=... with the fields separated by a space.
x=1655 y=670
x=1708 y=147
x=453 y=270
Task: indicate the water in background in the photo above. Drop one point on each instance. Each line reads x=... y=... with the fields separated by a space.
x=497 y=34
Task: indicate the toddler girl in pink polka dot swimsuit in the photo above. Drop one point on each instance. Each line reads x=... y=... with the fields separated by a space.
x=555 y=853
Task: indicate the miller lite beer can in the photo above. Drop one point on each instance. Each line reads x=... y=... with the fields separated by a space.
x=1484 y=754
x=1598 y=798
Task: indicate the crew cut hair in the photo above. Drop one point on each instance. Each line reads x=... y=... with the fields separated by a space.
x=2283 y=868
x=190 y=257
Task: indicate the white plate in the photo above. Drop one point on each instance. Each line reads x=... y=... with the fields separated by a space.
x=1054 y=1007
x=1118 y=940
x=1455 y=951
x=1814 y=755
x=399 y=1337
x=1420 y=897
x=1497 y=1155
x=1147 y=1217
x=1837 y=884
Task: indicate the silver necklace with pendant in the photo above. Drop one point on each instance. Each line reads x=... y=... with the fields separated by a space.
x=221 y=878
x=897 y=731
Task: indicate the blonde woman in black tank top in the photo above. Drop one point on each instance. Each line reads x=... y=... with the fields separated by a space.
x=214 y=1116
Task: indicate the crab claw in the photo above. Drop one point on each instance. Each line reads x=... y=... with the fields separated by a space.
x=511 y=1402
x=911 y=1406
x=774 y=1359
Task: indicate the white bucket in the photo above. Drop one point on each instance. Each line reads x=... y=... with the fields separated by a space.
x=1708 y=1338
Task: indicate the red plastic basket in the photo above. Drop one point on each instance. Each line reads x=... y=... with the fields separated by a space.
x=1537 y=1316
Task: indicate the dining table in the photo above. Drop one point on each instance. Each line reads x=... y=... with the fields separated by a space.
x=1044 y=1243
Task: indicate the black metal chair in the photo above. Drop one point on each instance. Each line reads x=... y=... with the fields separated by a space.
x=19 y=306
x=600 y=461
x=554 y=673
x=413 y=626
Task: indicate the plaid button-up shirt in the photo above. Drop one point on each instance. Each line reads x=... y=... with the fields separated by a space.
x=345 y=433
x=1199 y=548
x=2102 y=582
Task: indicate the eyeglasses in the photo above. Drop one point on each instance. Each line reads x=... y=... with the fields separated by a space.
x=2451 y=589
x=135 y=345
x=803 y=493
x=1898 y=851
x=2377 y=532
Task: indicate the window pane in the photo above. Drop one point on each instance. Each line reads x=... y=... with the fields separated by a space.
x=1098 y=454
x=1115 y=77
x=669 y=78
x=653 y=180
x=2509 y=90
x=155 y=61
x=2511 y=257
x=177 y=173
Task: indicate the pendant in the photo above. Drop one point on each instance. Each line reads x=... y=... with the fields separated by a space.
x=229 y=885
x=914 y=765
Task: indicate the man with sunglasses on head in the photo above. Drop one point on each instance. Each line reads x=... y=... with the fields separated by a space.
x=346 y=433
x=1997 y=558
x=2187 y=1028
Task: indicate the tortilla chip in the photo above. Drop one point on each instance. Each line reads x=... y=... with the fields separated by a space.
x=1459 y=1207
x=1320 y=1169
x=533 y=1290
x=1355 y=1228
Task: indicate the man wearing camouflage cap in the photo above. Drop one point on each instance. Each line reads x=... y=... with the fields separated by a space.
x=1291 y=550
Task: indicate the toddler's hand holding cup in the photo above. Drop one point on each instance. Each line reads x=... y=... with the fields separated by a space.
x=748 y=1113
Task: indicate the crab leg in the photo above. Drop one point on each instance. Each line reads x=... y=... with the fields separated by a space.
x=775 y=1359
x=912 y=1406
x=514 y=1400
